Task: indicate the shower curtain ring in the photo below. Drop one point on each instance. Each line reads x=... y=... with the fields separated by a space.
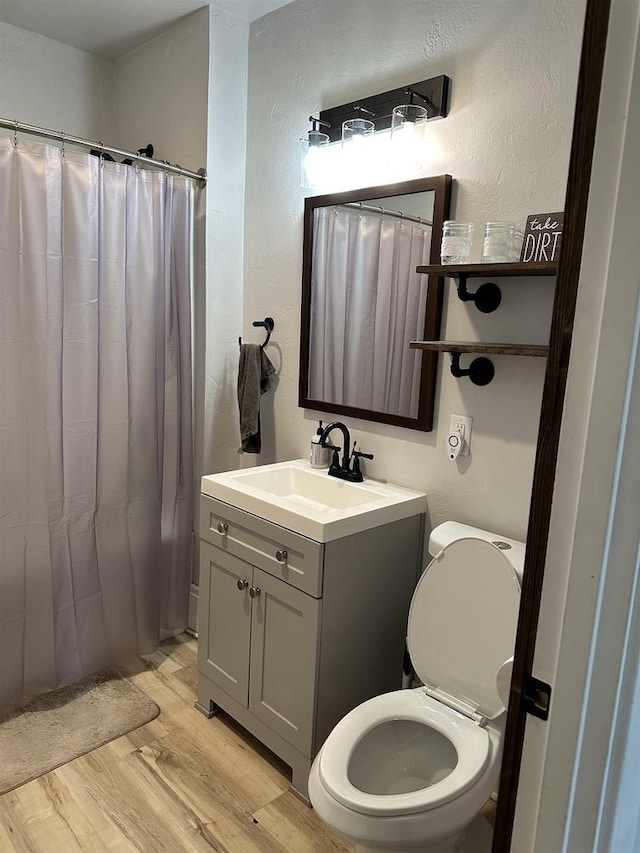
x=63 y=141
x=15 y=133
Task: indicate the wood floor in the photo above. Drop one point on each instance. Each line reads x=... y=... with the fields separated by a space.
x=180 y=783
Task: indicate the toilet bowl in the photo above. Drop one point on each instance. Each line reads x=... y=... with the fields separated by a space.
x=411 y=770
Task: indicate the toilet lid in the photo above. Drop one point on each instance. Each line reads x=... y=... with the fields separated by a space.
x=462 y=622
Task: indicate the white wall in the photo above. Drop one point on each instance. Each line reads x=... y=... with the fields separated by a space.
x=161 y=94
x=50 y=84
x=229 y=36
x=506 y=143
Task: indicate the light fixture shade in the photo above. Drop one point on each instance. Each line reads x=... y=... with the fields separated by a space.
x=355 y=129
x=412 y=113
x=357 y=151
x=311 y=158
x=408 y=137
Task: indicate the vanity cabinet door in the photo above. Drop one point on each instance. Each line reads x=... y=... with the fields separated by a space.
x=225 y=626
x=284 y=652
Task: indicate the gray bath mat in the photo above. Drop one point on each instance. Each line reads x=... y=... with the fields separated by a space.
x=47 y=731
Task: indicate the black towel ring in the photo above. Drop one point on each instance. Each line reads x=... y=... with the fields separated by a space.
x=268 y=324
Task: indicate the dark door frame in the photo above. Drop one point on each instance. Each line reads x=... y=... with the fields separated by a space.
x=584 y=130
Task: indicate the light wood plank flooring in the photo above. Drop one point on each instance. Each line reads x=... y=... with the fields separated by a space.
x=180 y=783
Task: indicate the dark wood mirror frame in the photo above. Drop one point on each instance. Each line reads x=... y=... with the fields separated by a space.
x=441 y=187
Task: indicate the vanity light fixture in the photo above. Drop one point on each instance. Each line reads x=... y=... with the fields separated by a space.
x=393 y=111
x=433 y=95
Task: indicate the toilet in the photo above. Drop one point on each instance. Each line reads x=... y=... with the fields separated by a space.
x=411 y=770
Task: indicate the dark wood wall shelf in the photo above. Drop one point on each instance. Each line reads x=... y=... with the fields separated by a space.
x=532 y=350
x=481 y=370
x=490 y=270
x=486 y=298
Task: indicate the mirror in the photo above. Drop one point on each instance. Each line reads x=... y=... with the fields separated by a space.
x=363 y=302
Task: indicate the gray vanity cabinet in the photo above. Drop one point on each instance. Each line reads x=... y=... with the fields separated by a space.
x=295 y=633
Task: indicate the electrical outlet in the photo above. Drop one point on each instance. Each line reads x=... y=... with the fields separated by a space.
x=463 y=424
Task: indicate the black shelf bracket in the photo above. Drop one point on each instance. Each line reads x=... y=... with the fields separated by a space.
x=487 y=297
x=481 y=370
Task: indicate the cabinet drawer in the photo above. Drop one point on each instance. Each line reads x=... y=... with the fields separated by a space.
x=278 y=551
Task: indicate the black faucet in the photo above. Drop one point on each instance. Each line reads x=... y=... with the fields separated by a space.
x=337 y=470
x=342 y=470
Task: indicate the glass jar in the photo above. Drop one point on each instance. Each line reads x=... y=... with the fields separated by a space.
x=456 y=242
x=502 y=243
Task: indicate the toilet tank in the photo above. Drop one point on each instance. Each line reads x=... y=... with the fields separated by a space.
x=449 y=531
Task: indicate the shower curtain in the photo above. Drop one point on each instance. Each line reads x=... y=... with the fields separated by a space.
x=96 y=474
x=367 y=303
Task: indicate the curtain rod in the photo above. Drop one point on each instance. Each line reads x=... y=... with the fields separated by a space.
x=398 y=214
x=34 y=130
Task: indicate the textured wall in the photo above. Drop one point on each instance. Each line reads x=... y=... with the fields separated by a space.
x=506 y=143
x=229 y=38
x=53 y=85
x=161 y=94
x=162 y=98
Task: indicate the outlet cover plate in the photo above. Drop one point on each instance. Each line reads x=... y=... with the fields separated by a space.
x=464 y=421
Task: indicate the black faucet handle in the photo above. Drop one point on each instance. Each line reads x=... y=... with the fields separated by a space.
x=356 y=473
x=335 y=461
x=359 y=454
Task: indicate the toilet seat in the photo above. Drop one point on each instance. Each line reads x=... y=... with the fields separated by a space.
x=470 y=741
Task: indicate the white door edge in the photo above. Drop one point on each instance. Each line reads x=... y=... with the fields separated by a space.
x=573 y=785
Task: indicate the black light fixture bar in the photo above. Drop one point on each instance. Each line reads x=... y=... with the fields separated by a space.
x=432 y=94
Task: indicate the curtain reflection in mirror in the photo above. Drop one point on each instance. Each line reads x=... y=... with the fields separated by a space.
x=367 y=304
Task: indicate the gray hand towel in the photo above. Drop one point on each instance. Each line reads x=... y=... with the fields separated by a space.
x=254 y=370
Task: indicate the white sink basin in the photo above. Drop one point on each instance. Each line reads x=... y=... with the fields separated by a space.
x=308 y=501
x=306 y=487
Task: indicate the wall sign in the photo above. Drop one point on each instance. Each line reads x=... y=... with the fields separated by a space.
x=542 y=237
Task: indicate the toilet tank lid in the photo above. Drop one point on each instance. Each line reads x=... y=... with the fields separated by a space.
x=450 y=531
